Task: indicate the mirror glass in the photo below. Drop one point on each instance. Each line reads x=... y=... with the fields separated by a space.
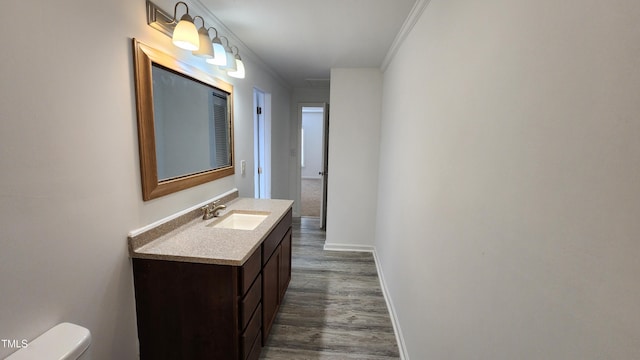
x=185 y=123
x=191 y=125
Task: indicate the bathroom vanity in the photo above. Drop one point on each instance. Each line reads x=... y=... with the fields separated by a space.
x=210 y=289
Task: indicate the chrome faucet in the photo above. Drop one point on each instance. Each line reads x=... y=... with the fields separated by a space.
x=212 y=210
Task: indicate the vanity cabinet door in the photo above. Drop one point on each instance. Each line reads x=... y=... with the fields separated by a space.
x=285 y=264
x=186 y=310
x=270 y=293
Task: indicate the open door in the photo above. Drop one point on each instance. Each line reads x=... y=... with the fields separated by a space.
x=325 y=167
x=314 y=159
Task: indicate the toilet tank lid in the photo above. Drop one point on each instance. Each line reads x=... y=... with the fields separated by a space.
x=64 y=341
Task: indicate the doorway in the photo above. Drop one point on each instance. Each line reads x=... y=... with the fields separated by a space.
x=262 y=144
x=314 y=126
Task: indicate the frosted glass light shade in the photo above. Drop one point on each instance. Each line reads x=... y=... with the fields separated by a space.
x=219 y=55
x=239 y=73
x=231 y=62
x=206 y=49
x=185 y=35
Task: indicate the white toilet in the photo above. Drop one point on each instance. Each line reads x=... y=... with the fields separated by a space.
x=62 y=342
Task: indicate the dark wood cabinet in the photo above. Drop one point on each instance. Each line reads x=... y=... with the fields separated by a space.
x=271 y=293
x=187 y=310
x=285 y=264
x=205 y=311
x=276 y=273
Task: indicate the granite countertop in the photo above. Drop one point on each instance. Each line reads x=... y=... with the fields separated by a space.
x=194 y=241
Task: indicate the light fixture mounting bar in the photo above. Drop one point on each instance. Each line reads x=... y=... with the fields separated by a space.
x=160 y=19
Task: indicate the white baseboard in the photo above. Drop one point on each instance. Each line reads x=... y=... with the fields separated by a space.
x=349 y=247
x=404 y=355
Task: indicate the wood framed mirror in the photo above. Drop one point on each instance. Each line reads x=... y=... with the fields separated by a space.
x=185 y=123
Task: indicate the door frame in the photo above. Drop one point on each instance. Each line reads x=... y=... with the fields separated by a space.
x=325 y=155
x=262 y=144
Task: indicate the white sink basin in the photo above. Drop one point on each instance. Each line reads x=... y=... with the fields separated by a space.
x=240 y=220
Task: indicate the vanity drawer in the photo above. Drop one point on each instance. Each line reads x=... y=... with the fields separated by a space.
x=251 y=333
x=273 y=240
x=256 y=348
x=250 y=301
x=249 y=271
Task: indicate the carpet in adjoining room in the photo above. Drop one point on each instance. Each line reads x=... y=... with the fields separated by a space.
x=311 y=197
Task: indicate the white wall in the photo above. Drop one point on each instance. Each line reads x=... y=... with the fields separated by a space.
x=312 y=124
x=244 y=126
x=69 y=181
x=509 y=192
x=280 y=146
x=354 y=133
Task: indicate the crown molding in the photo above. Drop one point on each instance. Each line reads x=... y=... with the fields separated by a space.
x=412 y=19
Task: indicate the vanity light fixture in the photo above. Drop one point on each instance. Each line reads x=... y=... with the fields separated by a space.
x=185 y=35
x=231 y=59
x=219 y=55
x=239 y=73
x=206 y=48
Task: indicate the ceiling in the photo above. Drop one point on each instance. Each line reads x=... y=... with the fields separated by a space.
x=301 y=40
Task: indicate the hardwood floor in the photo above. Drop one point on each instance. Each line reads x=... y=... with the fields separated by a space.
x=334 y=308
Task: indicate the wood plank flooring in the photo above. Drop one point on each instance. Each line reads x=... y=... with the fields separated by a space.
x=334 y=307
